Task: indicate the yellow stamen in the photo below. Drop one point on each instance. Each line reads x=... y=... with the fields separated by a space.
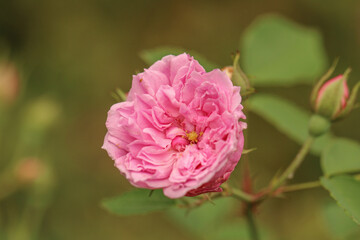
x=192 y=137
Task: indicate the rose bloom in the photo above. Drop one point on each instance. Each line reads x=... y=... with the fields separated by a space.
x=179 y=129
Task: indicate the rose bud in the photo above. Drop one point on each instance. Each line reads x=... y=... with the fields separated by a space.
x=330 y=99
x=238 y=77
x=9 y=83
x=178 y=130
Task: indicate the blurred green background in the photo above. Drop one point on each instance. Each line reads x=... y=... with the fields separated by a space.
x=72 y=54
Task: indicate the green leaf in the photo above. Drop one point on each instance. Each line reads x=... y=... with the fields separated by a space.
x=287 y=118
x=346 y=191
x=341 y=156
x=152 y=55
x=203 y=220
x=277 y=51
x=338 y=223
x=137 y=202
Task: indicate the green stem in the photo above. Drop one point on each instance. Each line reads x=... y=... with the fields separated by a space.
x=253 y=231
x=243 y=196
x=299 y=158
x=307 y=185
x=301 y=186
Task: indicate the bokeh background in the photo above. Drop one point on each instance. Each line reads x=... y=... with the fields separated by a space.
x=70 y=56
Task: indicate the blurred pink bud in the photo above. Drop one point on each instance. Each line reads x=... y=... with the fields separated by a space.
x=9 y=82
x=29 y=170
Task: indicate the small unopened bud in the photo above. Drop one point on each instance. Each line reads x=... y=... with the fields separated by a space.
x=330 y=98
x=238 y=77
x=9 y=82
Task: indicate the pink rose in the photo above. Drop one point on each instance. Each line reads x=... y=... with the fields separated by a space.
x=179 y=129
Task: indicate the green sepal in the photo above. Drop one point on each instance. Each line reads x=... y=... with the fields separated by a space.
x=119 y=95
x=322 y=80
x=350 y=104
x=239 y=78
x=247 y=151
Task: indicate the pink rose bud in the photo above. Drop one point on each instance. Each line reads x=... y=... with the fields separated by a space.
x=178 y=129
x=332 y=97
x=9 y=83
x=330 y=100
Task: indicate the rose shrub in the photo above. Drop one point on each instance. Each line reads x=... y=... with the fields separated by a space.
x=179 y=128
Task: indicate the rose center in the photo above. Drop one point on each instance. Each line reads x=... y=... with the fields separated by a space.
x=192 y=137
x=179 y=143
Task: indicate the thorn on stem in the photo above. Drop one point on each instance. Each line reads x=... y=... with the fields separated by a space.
x=151 y=192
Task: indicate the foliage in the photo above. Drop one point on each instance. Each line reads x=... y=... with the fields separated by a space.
x=277 y=51
x=345 y=190
x=287 y=118
x=138 y=201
